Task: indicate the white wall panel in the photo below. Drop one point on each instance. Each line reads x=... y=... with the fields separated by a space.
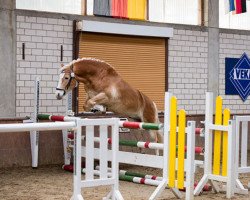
x=233 y=21
x=60 y=6
x=177 y=11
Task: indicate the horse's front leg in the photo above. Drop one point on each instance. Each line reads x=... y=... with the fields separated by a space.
x=85 y=107
x=99 y=99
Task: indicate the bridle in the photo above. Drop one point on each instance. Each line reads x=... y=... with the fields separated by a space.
x=72 y=76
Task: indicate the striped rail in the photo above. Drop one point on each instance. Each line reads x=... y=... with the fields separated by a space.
x=122 y=124
x=54 y=117
x=148 y=145
x=140 y=125
x=140 y=144
x=134 y=177
x=151 y=126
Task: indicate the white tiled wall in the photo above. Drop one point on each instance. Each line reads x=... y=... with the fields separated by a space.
x=188 y=69
x=43 y=38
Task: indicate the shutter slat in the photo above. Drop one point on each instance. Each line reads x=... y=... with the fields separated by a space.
x=139 y=60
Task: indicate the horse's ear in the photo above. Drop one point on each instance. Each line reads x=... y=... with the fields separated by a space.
x=62 y=65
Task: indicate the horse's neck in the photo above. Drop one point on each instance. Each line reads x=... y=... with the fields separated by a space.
x=86 y=74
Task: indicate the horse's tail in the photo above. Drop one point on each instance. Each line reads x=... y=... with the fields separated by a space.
x=156 y=113
x=159 y=133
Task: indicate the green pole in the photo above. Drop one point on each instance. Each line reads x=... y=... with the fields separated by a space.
x=134 y=174
x=152 y=126
x=43 y=116
x=126 y=178
x=128 y=143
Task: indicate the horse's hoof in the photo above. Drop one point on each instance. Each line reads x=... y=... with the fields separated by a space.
x=95 y=111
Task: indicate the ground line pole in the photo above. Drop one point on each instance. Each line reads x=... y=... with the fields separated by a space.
x=77 y=162
x=34 y=135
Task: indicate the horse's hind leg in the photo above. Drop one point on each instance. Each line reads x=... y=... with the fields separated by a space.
x=151 y=115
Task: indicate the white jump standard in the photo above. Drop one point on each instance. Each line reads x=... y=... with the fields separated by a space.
x=242 y=166
x=77 y=124
x=225 y=172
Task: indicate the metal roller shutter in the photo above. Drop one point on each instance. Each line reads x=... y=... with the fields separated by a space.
x=139 y=60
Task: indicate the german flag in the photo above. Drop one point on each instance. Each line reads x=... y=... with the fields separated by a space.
x=119 y=8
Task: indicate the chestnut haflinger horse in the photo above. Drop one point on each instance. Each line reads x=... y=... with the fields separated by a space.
x=104 y=86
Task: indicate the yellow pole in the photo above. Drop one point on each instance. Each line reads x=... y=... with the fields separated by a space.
x=172 y=141
x=181 y=148
x=226 y=118
x=217 y=136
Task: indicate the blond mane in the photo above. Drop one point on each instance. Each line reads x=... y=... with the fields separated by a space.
x=83 y=59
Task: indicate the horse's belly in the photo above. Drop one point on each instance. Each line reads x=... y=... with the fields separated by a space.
x=123 y=111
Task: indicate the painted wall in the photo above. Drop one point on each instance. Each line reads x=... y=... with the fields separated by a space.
x=187 y=64
x=187 y=69
x=43 y=38
x=233 y=46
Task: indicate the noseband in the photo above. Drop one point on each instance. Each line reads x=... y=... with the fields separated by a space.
x=64 y=92
x=68 y=84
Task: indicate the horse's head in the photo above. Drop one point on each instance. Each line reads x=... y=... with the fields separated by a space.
x=66 y=82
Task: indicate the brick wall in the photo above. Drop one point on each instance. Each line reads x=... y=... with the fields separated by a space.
x=188 y=68
x=43 y=38
x=187 y=72
x=233 y=46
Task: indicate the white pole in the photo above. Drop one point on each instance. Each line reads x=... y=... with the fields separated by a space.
x=36 y=126
x=168 y=96
x=190 y=161
x=237 y=132
x=231 y=169
x=163 y=183
x=34 y=135
x=77 y=163
x=208 y=133
x=244 y=141
x=208 y=143
x=67 y=154
x=115 y=163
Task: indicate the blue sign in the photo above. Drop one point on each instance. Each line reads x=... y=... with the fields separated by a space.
x=238 y=76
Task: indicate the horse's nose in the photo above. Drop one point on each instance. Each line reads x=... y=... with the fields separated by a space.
x=58 y=96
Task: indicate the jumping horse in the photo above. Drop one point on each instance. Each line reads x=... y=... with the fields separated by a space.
x=104 y=86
